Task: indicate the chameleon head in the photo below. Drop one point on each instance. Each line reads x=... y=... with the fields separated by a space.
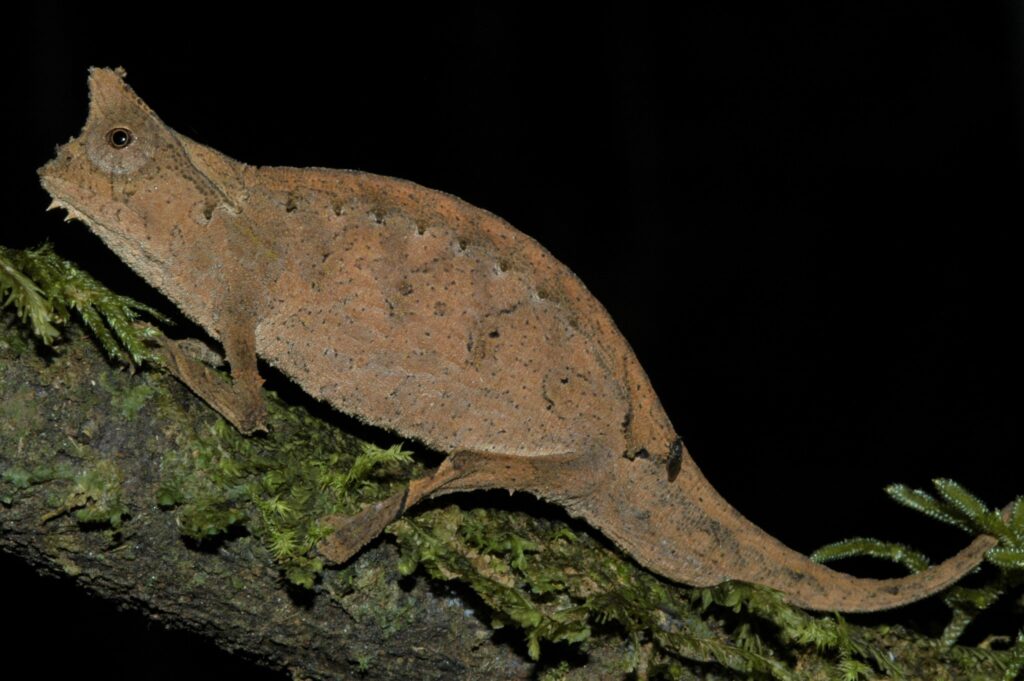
x=110 y=178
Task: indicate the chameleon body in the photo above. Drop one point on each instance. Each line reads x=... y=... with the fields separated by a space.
x=417 y=312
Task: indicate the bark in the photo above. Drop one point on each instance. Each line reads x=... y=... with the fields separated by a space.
x=61 y=414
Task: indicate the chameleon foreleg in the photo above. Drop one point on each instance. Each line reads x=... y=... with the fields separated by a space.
x=237 y=399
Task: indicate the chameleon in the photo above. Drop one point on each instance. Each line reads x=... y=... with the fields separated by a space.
x=419 y=313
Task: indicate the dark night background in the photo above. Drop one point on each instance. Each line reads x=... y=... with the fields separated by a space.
x=804 y=220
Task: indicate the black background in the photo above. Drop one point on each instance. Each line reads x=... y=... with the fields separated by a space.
x=803 y=219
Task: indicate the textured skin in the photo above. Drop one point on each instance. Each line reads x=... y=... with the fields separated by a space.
x=426 y=315
x=417 y=312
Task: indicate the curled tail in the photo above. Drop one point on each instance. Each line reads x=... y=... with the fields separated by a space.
x=686 y=531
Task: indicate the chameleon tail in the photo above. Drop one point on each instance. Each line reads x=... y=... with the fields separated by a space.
x=686 y=531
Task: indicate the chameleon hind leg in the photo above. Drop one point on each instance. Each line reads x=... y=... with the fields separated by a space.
x=462 y=471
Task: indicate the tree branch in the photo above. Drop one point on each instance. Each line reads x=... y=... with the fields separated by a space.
x=92 y=463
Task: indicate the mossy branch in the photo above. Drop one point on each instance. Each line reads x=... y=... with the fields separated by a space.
x=261 y=498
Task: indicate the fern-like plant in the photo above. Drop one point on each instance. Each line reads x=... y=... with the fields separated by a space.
x=45 y=290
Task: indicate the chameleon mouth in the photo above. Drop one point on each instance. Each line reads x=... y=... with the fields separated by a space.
x=58 y=190
x=64 y=198
x=52 y=175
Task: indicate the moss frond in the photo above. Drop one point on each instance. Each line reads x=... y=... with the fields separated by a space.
x=973 y=511
x=1007 y=558
x=1016 y=521
x=901 y=554
x=372 y=457
x=45 y=289
x=28 y=300
x=925 y=503
x=1015 y=663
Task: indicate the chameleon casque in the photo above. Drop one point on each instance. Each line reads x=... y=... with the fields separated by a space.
x=417 y=312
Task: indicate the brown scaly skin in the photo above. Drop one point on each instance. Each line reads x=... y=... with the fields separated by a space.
x=420 y=313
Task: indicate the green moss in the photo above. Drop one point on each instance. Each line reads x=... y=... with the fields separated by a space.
x=558 y=586
x=130 y=401
x=45 y=289
x=22 y=478
x=96 y=495
x=92 y=493
x=277 y=486
x=371 y=594
x=30 y=302
x=19 y=414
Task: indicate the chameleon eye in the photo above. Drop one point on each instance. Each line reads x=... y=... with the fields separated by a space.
x=119 y=138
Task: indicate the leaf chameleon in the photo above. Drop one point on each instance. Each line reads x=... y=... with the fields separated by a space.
x=417 y=312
